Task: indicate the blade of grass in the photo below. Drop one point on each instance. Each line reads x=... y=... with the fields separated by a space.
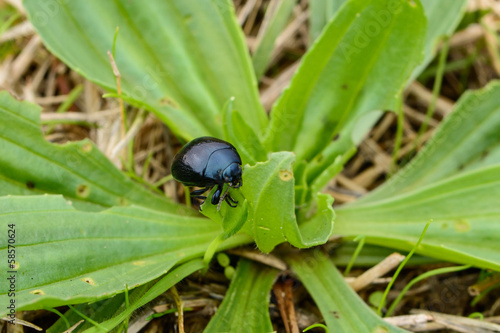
x=63 y=317
x=157 y=289
x=72 y=96
x=400 y=267
x=52 y=122
x=420 y=278
x=277 y=15
x=355 y=254
x=163 y=180
x=127 y=301
x=93 y=322
x=451 y=66
x=9 y=22
x=316 y=325
x=145 y=166
x=435 y=89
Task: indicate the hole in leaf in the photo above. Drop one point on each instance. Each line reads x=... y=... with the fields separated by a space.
x=169 y=102
x=37 y=292
x=139 y=263
x=461 y=226
x=286 y=175
x=89 y=281
x=86 y=148
x=83 y=191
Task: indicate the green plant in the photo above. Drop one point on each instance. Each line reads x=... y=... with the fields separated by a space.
x=99 y=233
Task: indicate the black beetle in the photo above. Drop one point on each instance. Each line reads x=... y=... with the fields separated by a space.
x=207 y=162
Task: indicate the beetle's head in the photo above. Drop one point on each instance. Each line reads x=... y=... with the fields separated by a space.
x=232 y=175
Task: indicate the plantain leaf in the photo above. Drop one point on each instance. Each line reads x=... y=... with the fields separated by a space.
x=73 y=256
x=246 y=305
x=98 y=311
x=320 y=13
x=168 y=53
x=268 y=187
x=242 y=136
x=342 y=309
x=277 y=15
x=464 y=210
x=156 y=289
x=354 y=68
x=31 y=165
x=443 y=18
x=454 y=181
x=371 y=255
x=462 y=142
x=315 y=225
x=269 y=190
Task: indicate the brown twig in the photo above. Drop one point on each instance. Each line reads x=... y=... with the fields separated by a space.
x=377 y=271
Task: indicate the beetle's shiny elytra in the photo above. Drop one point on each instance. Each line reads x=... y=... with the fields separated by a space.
x=207 y=162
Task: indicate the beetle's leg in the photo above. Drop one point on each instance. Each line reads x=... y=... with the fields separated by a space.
x=229 y=203
x=217 y=194
x=228 y=196
x=196 y=193
x=224 y=197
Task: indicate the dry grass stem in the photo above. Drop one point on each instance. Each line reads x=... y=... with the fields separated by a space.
x=377 y=271
x=266 y=259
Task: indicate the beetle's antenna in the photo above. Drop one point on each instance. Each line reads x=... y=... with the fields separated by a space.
x=223 y=196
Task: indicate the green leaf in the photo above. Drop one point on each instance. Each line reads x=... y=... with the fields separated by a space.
x=231 y=219
x=342 y=309
x=165 y=283
x=320 y=12
x=31 y=165
x=242 y=136
x=87 y=256
x=468 y=138
x=319 y=173
x=454 y=181
x=371 y=255
x=184 y=59
x=354 y=68
x=315 y=224
x=443 y=18
x=268 y=187
x=276 y=17
x=98 y=311
x=464 y=210
x=246 y=305
x=269 y=190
